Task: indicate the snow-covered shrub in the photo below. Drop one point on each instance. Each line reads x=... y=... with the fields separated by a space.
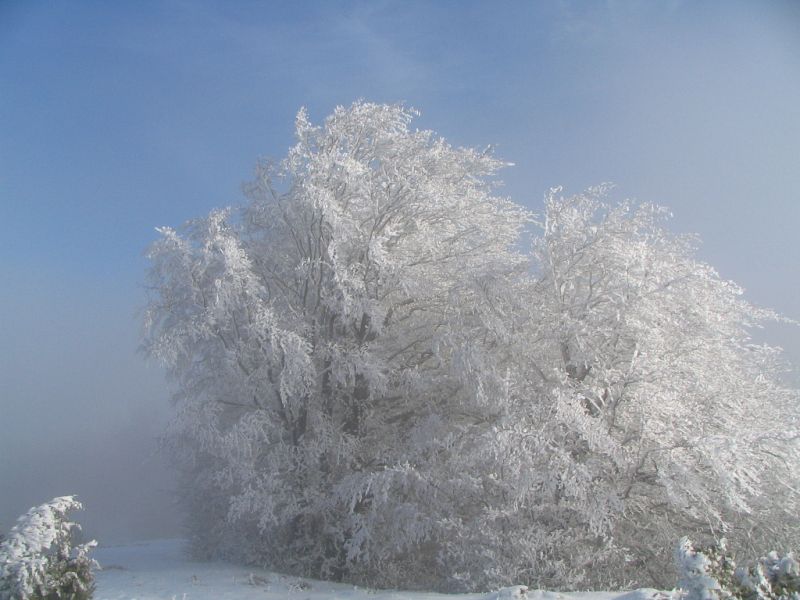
x=772 y=577
x=710 y=573
x=705 y=573
x=38 y=560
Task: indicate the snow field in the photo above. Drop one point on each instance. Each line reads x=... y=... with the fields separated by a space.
x=159 y=570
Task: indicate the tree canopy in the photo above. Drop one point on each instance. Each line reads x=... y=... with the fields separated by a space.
x=377 y=382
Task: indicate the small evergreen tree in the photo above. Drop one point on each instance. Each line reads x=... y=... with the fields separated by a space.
x=705 y=573
x=772 y=577
x=710 y=573
x=38 y=560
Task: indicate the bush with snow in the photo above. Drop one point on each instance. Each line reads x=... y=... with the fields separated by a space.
x=704 y=573
x=710 y=573
x=772 y=577
x=38 y=560
x=376 y=382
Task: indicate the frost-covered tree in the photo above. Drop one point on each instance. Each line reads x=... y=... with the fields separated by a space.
x=39 y=561
x=654 y=347
x=376 y=384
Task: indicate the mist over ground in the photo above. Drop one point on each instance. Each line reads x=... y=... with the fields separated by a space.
x=118 y=118
x=81 y=410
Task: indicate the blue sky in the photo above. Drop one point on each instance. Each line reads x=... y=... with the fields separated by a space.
x=117 y=117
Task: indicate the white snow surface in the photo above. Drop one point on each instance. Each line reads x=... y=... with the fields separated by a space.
x=160 y=570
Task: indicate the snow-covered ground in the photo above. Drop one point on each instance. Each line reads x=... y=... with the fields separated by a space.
x=159 y=570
